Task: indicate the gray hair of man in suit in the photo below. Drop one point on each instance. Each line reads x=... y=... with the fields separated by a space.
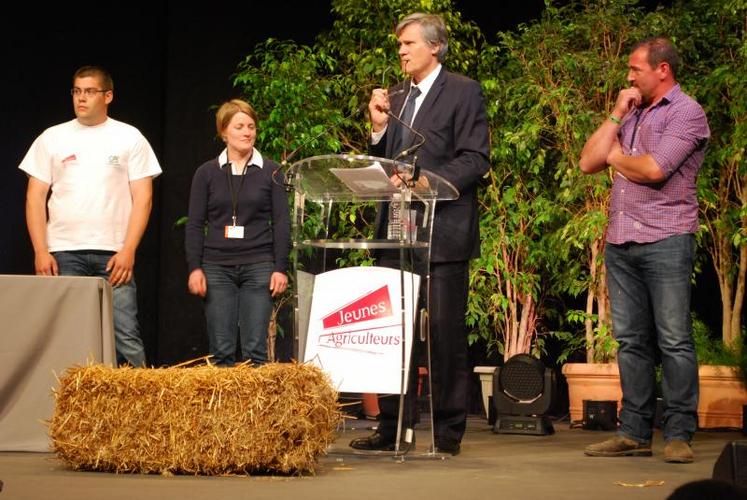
x=433 y=29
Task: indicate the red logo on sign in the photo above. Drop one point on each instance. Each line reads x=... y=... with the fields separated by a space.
x=371 y=306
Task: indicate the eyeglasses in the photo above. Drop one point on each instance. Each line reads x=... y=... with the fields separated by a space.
x=90 y=92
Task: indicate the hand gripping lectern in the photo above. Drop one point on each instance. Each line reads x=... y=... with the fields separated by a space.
x=359 y=323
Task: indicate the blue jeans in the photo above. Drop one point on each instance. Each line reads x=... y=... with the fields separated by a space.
x=649 y=288
x=127 y=339
x=238 y=301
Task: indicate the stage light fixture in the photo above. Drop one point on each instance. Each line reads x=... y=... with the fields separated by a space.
x=523 y=391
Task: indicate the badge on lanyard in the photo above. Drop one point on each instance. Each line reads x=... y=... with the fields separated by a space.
x=235 y=232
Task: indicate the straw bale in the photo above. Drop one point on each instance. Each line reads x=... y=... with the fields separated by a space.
x=198 y=420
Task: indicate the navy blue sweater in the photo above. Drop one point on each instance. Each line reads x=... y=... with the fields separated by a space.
x=262 y=210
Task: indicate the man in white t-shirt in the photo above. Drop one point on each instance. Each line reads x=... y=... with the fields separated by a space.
x=97 y=174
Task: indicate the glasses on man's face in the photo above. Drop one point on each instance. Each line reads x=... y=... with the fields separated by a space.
x=89 y=92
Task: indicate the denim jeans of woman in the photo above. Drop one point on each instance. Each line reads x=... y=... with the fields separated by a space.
x=238 y=304
x=649 y=289
x=127 y=339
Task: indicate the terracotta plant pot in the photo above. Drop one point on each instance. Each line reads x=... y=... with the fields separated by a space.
x=722 y=395
x=593 y=381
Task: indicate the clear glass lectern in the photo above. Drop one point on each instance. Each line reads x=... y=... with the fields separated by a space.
x=359 y=323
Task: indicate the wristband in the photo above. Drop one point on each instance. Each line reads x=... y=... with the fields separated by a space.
x=615 y=120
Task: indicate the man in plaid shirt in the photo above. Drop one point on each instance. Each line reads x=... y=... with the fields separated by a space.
x=654 y=140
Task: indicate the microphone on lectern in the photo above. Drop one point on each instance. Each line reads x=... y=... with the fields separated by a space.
x=412 y=149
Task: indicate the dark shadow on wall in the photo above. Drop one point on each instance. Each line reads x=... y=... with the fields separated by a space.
x=171 y=63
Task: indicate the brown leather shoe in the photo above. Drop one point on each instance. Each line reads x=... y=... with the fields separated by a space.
x=619 y=446
x=677 y=451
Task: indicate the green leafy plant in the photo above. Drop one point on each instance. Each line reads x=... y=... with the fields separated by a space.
x=713 y=351
x=719 y=80
x=310 y=99
x=547 y=87
x=710 y=351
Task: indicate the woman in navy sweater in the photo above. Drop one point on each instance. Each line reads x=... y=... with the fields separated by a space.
x=238 y=238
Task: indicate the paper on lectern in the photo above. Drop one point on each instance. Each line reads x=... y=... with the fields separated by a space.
x=366 y=180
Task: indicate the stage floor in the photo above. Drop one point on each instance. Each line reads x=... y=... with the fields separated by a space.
x=490 y=466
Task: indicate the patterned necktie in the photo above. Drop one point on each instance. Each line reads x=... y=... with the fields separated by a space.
x=407 y=113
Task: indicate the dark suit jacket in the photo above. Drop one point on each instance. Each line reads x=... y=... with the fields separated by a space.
x=452 y=119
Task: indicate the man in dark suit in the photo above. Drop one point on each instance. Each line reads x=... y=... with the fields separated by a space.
x=448 y=110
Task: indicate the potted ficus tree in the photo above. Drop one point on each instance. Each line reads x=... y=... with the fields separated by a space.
x=722 y=379
x=719 y=80
x=712 y=34
x=506 y=295
x=548 y=87
x=576 y=69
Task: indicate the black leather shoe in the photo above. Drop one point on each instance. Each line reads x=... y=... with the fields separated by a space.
x=448 y=445
x=378 y=442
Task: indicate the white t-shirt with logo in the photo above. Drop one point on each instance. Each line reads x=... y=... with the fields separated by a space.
x=89 y=170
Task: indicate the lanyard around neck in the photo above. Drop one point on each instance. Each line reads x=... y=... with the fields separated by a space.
x=235 y=194
x=649 y=112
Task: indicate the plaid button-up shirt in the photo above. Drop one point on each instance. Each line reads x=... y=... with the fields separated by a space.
x=674 y=132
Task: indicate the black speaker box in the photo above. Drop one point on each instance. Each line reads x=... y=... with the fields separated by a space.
x=731 y=465
x=600 y=415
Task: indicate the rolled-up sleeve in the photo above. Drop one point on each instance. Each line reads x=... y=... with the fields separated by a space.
x=686 y=131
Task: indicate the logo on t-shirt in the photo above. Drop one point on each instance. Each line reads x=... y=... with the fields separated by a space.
x=69 y=159
x=113 y=160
